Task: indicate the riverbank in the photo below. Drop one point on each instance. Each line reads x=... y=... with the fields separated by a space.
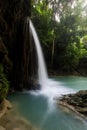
x=11 y=120
x=76 y=102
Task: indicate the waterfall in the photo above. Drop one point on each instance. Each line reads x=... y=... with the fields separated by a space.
x=42 y=72
x=50 y=88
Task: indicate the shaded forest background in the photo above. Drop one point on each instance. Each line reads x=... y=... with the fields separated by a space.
x=62 y=28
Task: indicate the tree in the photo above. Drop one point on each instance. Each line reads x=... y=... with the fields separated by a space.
x=65 y=24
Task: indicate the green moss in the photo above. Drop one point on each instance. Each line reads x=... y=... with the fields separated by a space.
x=4 y=84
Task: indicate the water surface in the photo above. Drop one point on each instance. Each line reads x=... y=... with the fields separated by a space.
x=44 y=113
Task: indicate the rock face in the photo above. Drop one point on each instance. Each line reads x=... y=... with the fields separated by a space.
x=76 y=102
x=14 y=32
x=4 y=55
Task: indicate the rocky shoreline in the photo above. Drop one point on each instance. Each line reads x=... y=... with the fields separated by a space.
x=11 y=120
x=76 y=102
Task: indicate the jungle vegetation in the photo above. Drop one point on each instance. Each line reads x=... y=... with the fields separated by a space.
x=62 y=29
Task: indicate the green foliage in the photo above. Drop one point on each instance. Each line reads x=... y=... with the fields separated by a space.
x=84 y=40
x=74 y=52
x=4 y=84
x=41 y=16
x=66 y=36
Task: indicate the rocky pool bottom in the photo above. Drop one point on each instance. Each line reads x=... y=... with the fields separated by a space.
x=45 y=116
x=11 y=120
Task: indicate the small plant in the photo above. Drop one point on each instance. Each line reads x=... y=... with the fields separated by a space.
x=4 y=84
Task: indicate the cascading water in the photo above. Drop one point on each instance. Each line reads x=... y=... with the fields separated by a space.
x=42 y=72
x=50 y=88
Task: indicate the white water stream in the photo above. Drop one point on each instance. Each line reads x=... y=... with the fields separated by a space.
x=42 y=72
x=49 y=88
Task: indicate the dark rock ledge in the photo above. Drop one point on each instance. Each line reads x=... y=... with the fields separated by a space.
x=76 y=102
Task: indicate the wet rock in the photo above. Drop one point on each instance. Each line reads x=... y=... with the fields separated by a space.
x=8 y=104
x=76 y=102
x=4 y=106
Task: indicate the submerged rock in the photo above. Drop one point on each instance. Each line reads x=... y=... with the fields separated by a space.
x=76 y=102
x=2 y=128
x=4 y=106
x=11 y=120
